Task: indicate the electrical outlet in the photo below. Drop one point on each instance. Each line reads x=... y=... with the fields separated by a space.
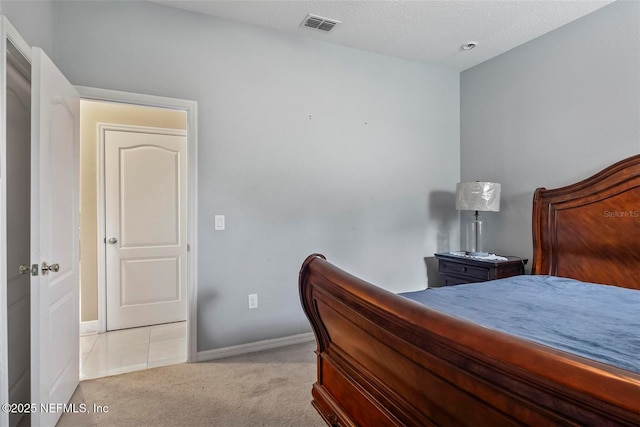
x=253 y=301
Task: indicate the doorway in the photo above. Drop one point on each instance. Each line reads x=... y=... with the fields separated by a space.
x=40 y=362
x=110 y=112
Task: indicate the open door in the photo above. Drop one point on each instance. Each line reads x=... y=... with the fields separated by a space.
x=54 y=240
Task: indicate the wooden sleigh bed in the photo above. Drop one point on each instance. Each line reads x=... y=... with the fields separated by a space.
x=383 y=359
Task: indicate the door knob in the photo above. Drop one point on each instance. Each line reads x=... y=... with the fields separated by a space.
x=113 y=240
x=46 y=268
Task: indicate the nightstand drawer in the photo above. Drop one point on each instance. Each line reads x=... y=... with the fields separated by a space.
x=468 y=271
x=457 y=280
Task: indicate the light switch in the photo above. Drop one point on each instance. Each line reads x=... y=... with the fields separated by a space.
x=218 y=222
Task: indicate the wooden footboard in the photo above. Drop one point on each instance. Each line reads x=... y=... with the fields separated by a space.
x=386 y=360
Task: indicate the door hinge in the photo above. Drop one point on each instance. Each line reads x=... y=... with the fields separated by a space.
x=188 y=247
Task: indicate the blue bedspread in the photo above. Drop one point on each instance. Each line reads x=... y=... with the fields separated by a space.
x=595 y=321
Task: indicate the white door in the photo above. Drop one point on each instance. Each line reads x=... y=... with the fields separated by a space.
x=54 y=239
x=146 y=228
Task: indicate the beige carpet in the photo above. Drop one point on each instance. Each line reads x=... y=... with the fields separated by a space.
x=270 y=388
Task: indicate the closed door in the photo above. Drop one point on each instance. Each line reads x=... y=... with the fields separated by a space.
x=145 y=227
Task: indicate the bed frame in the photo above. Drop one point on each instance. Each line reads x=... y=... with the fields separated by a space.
x=590 y=230
x=385 y=360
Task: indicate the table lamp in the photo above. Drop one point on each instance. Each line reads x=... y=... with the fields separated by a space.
x=479 y=197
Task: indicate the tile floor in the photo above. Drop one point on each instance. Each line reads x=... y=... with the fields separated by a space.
x=130 y=350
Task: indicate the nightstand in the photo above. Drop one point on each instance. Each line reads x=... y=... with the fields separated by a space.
x=456 y=269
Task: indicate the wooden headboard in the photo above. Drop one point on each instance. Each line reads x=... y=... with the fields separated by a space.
x=594 y=224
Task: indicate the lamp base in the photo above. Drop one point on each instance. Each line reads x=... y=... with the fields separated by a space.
x=475 y=231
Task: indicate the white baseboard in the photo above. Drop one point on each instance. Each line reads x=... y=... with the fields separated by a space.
x=253 y=347
x=91 y=327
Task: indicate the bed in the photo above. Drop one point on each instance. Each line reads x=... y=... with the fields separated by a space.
x=384 y=359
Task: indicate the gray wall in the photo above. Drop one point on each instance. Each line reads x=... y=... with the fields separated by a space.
x=303 y=145
x=551 y=112
x=33 y=20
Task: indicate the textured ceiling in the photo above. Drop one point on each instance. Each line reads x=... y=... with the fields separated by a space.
x=427 y=31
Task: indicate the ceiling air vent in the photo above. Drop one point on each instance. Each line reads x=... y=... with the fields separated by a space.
x=319 y=23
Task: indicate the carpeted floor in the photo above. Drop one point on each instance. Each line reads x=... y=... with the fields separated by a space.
x=270 y=388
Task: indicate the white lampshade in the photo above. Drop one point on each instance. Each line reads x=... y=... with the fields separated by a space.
x=478 y=196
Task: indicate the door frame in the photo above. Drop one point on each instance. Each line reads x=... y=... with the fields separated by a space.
x=190 y=107
x=8 y=35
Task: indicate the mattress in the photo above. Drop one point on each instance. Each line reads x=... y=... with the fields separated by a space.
x=598 y=322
